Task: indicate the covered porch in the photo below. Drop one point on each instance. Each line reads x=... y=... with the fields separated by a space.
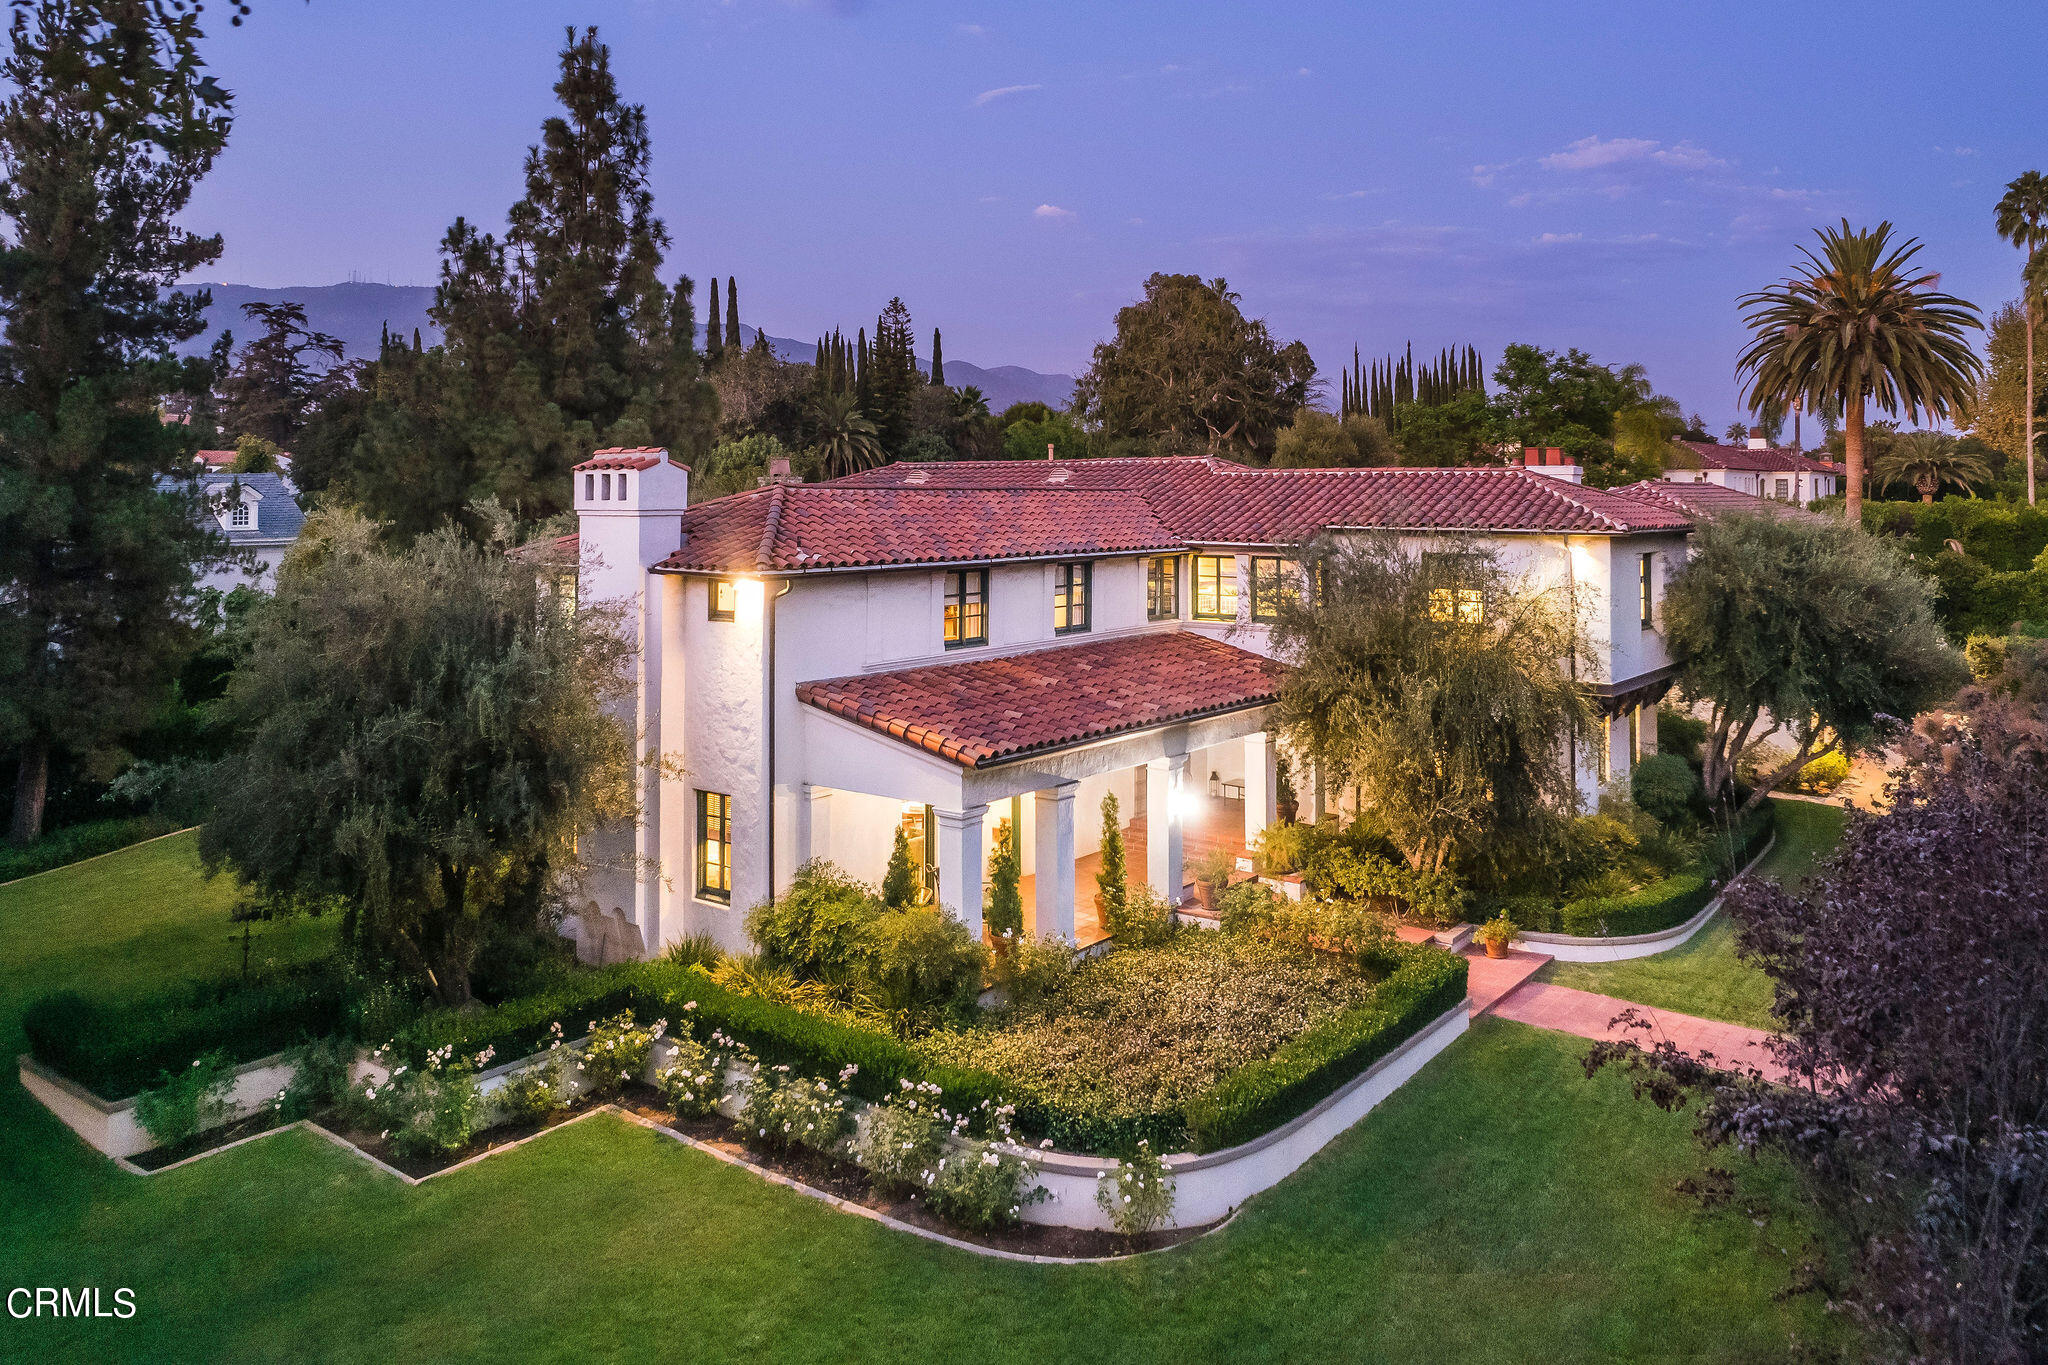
x=1171 y=724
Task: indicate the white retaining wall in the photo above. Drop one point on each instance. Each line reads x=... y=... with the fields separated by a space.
x=1570 y=948
x=110 y=1125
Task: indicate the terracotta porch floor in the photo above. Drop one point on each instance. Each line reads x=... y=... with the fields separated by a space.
x=1214 y=823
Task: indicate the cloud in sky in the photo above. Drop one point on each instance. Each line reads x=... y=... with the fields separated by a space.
x=1597 y=153
x=1052 y=213
x=1003 y=92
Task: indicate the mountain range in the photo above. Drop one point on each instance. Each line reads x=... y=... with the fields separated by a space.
x=358 y=313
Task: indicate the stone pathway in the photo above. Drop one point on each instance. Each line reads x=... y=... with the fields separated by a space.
x=1587 y=1015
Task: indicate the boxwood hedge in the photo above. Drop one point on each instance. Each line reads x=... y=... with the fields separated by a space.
x=117 y=1049
x=1674 y=900
x=1261 y=1095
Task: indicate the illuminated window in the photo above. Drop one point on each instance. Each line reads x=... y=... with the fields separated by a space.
x=1645 y=575
x=714 y=846
x=1070 y=590
x=563 y=591
x=724 y=596
x=1635 y=733
x=1271 y=581
x=1466 y=606
x=1216 y=587
x=1606 y=747
x=1162 y=588
x=966 y=607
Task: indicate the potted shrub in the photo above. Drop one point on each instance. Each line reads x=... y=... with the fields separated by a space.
x=1212 y=872
x=1496 y=934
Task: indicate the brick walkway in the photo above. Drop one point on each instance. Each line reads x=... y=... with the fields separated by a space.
x=1587 y=1015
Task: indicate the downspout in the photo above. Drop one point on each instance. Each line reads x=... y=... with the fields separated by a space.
x=768 y=704
x=1571 y=584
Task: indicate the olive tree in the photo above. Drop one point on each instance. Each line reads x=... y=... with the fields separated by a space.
x=1806 y=626
x=427 y=737
x=1438 y=684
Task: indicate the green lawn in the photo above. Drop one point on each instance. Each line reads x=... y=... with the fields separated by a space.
x=1498 y=1208
x=1704 y=977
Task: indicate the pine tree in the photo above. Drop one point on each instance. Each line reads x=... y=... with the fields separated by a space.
x=1004 y=912
x=714 y=335
x=732 y=312
x=894 y=376
x=1112 y=881
x=938 y=359
x=110 y=119
x=900 y=884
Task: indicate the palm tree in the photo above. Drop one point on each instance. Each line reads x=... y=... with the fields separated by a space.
x=2023 y=220
x=846 y=438
x=1860 y=322
x=1927 y=460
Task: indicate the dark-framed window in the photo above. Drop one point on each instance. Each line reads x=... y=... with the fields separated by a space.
x=714 y=846
x=1646 y=569
x=1271 y=582
x=966 y=607
x=1162 y=588
x=1215 y=587
x=723 y=596
x=1072 y=586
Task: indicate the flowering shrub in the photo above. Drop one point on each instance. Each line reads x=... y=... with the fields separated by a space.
x=785 y=1111
x=188 y=1101
x=434 y=1108
x=540 y=1090
x=693 y=1081
x=1138 y=1195
x=617 y=1053
x=905 y=1136
x=982 y=1187
x=1432 y=898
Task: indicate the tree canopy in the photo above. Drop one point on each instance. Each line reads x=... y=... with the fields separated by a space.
x=427 y=736
x=1803 y=625
x=270 y=386
x=1190 y=373
x=110 y=122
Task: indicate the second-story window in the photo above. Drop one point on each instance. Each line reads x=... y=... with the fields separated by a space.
x=966 y=607
x=1216 y=587
x=240 y=516
x=1070 y=592
x=1271 y=580
x=1646 y=569
x=1162 y=588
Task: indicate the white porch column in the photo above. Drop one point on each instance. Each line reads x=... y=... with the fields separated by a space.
x=817 y=806
x=960 y=869
x=1165 y=780
x=1053 y=882
x=1261 y=785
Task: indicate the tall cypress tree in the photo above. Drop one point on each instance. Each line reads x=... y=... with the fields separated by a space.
x=732 y=312
x=895 y=376
x=110 y=121
x=938 y=359
x=714 y=336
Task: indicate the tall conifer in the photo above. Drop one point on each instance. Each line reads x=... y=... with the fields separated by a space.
x=714 y=333
x=938 y=359
x=732 y=312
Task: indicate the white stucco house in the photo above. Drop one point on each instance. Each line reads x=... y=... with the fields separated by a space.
x=258 y=513
x=944 y=647
x=1757 y=468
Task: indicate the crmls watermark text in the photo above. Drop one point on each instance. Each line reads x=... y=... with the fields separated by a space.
x=69 y=1303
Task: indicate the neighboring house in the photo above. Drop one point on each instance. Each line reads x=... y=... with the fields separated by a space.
x=219 y=461
x=258 y=513
x=941 y=647
x=1759 y=468
x=1703 y=500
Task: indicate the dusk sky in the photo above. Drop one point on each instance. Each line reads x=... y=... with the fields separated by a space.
x=1609 y=176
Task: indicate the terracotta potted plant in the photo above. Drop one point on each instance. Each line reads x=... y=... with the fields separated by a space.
x=1212 y=874
x=1496 y=934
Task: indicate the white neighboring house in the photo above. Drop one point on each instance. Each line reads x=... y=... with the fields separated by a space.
x=1757 y=468
x=943 y=647
x=256 y=512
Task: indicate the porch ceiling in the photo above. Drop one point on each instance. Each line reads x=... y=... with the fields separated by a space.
x=993 y=711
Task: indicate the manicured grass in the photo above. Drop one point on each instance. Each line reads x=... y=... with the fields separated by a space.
x=1704 y=977
x=1500 y=1207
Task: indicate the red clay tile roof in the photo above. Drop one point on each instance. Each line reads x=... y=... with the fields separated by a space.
x=1770 y=459
x=990 y=711
x=624 y=457
x=1712 y=499
x=1217 y=502
x=828 y=526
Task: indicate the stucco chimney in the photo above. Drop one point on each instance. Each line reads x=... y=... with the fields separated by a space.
x=1554 y=462
x=1756 y=439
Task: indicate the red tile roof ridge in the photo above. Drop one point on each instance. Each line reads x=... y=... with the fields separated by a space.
x=771 y=527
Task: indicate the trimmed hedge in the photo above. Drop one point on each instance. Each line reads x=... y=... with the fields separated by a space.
x=119 y=1049
x=76 y=843
x=1261 y=1095
x=1674 y=900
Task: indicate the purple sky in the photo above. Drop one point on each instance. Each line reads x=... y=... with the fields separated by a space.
x=1607 y=175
